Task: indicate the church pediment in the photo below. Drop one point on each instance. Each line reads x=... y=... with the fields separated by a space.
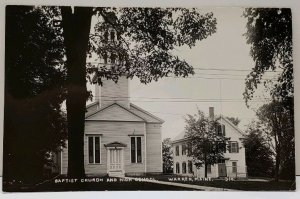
x=114 y=112
x=115 y=144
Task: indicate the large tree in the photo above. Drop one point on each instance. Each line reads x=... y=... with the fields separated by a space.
x=167 y=155
x=259 y=155
x=269 y=32
x=34 y=124
x=146 y=38
x=277 y=119
x=206 y=139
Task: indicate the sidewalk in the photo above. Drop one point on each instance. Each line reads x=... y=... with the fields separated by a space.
x=190 y=186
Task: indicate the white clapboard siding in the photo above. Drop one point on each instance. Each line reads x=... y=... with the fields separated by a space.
x=116 y=124
x=114 y=132
x=154 y=148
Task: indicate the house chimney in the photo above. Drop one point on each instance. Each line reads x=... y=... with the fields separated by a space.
x=97 y=94
x=211 y=113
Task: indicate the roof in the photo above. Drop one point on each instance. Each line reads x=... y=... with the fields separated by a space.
x=181 y=137
x=145 y=114
x=234 y=126
x=138 y=112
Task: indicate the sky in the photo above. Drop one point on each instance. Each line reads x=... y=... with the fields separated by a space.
x=221 y=63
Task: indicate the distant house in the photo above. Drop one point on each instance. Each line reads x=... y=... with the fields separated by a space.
x=120 y=137
x=233 y=164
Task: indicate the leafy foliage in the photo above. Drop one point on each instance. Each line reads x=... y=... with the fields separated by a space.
x=208 y=147
x=35 y=126
x=145 y=38
x=269 y=32
x=167 y=154
x=234 y=120
x=259 y=155
x=278 y=123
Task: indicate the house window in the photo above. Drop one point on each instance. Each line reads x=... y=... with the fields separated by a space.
x=190 y=167
x=177 y=168
x=209 y=168
x=183 y=149
x=94 y=149
x=221 y=129
x=233 y=147
x=136 y=149
x=189 y=149
x=177 y=150
x=234 y=167
x=183 y=167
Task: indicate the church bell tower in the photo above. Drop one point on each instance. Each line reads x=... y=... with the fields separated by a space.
x=111 y=92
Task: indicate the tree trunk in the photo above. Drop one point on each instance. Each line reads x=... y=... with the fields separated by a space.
x=205 y=166
x=76 y=29
x=277 y=162
x=205 y=170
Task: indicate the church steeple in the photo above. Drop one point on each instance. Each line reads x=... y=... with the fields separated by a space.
x=110 y=91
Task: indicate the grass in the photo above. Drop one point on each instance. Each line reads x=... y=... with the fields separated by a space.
x=236 y=184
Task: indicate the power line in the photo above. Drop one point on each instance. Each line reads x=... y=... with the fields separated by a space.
x=223 y=78
x=182 y=115
x=229 y=69
x=168 y=98
x=183 y=101
x=226 y=74
x=196 y=68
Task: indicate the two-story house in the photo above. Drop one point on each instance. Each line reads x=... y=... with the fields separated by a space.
x=232 y=165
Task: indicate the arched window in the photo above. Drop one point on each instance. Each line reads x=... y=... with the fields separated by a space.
x=177 y=167
x=190 y=166
x=183 y=167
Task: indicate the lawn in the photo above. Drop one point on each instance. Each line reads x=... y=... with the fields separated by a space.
x=244 y=185
x=110 y=184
